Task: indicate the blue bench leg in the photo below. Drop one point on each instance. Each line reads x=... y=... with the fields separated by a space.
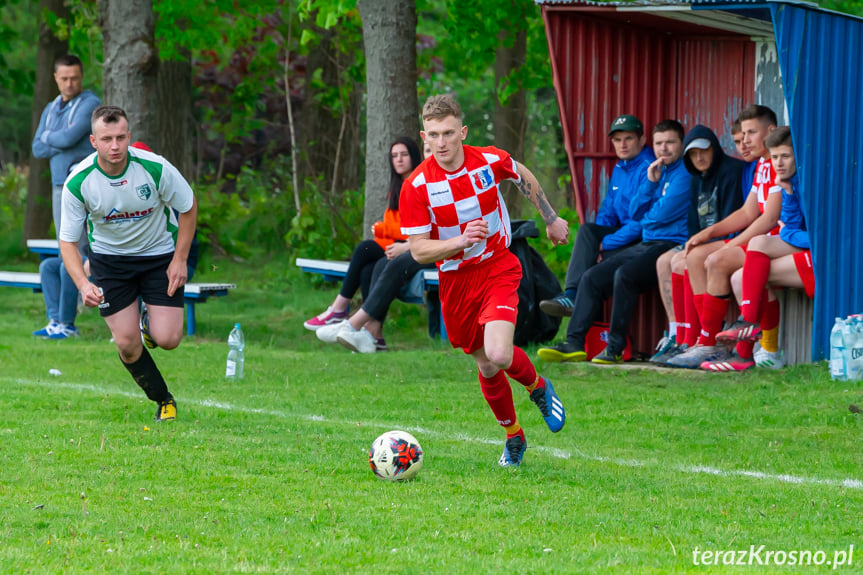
x=190 y=318
x=443 y=336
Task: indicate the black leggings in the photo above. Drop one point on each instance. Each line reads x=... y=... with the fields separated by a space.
x=387 y=281
x=359 y=274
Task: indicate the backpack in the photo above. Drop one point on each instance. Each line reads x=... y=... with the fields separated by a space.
x=538 y=282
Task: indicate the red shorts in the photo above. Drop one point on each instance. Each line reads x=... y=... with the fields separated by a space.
x=476 y=295
x=743 y=247
x=803 y=261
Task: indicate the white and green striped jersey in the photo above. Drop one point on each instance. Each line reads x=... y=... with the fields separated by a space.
x=129 y=214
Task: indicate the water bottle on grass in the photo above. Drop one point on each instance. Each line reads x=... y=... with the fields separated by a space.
x=236 y=343
x=838 y=369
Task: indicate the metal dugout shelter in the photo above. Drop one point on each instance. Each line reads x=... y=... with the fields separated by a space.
x=703 y=61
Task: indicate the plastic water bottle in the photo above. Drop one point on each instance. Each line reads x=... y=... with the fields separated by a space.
x=236 y=343
x=838 y=369
x=854 y=346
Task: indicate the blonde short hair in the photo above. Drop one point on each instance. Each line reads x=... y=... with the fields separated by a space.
x=440 y=106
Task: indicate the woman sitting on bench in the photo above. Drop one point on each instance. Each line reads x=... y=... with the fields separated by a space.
x=386 y=260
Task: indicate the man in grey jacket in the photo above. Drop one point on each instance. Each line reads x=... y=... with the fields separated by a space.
x=63 y=136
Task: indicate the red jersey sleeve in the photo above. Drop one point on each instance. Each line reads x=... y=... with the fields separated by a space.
x=414 y=209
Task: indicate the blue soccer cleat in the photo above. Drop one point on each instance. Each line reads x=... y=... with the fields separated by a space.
x=549 y=405
x=513 y=451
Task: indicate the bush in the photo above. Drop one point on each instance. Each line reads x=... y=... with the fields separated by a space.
x=13 y=207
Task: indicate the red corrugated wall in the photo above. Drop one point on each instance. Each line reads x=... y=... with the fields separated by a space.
x=606 y=63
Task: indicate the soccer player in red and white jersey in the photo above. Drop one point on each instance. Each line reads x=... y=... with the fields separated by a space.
x=454 y=214
x=782 y=260
x=709 y=264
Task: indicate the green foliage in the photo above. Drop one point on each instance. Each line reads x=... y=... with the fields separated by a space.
x=324 y=230
x=13 y=198
x=556 y=257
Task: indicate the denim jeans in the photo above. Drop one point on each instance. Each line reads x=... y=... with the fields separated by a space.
x=58 y=290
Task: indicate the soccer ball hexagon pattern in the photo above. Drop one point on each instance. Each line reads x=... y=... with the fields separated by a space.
x=396 y=456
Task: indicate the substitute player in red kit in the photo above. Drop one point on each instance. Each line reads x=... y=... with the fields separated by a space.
x=453 y=213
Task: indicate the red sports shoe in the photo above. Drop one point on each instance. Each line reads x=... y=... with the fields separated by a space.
x=732 y=363
x=327 y=318
x=740 y=331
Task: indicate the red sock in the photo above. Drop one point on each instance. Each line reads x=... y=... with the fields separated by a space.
x=522 y=369
x=498 y=395
x=769 y=313
x=695 y=327
x=744 y=349
x=714 y=310
x=692 y=309
x=679 y=303
x=756 y=270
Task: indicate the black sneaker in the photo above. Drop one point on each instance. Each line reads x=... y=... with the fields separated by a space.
x=513 y=451
x=608 y=357
x=563 y=351
x=558 y=306
x=167 y=410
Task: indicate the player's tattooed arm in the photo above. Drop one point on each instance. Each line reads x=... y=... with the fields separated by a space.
x=556 y=228
x=530 y=189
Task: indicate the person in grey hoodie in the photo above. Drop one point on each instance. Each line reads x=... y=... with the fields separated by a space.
x=63 y=136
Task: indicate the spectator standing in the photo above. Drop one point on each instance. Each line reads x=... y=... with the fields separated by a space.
x=63 y=136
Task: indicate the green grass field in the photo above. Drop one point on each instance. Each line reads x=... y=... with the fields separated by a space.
x=270 y=475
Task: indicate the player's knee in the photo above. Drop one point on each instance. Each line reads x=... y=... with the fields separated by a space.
x=170 y=341
x=128 y=348
x=737 y=280
x=758 y=244
x=500 y=357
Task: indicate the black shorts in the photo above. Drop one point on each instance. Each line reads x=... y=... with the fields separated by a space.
x=124 y=278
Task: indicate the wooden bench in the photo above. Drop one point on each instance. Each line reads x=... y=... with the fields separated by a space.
x=194 y=293
x=422 y=287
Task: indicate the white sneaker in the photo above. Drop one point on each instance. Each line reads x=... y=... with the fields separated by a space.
x=769 y=359
x=329 y=333
x=360 y=341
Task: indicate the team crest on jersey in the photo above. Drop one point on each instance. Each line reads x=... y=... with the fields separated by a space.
x=482 y=178
x=144 y=192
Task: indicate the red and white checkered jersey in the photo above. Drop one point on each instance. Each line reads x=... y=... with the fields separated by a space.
x=442 y=203
x=764 y=184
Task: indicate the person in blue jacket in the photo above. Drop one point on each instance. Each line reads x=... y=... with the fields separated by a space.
x=658 y=215
x=780 y=260
x=63 y=136
x=614 y=227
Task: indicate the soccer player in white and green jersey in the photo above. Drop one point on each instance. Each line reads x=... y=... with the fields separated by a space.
x=139 y=247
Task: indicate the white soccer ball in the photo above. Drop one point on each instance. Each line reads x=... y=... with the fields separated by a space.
x=396 y=456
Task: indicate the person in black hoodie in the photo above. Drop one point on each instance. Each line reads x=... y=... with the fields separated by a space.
x=715 y=193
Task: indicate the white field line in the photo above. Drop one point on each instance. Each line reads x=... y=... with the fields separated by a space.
x=553 y=451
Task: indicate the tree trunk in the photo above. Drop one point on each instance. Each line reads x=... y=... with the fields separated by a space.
x=510 y=119
x=37 y=218
x=174 y=93
x=131 y=63
x=392 y=110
